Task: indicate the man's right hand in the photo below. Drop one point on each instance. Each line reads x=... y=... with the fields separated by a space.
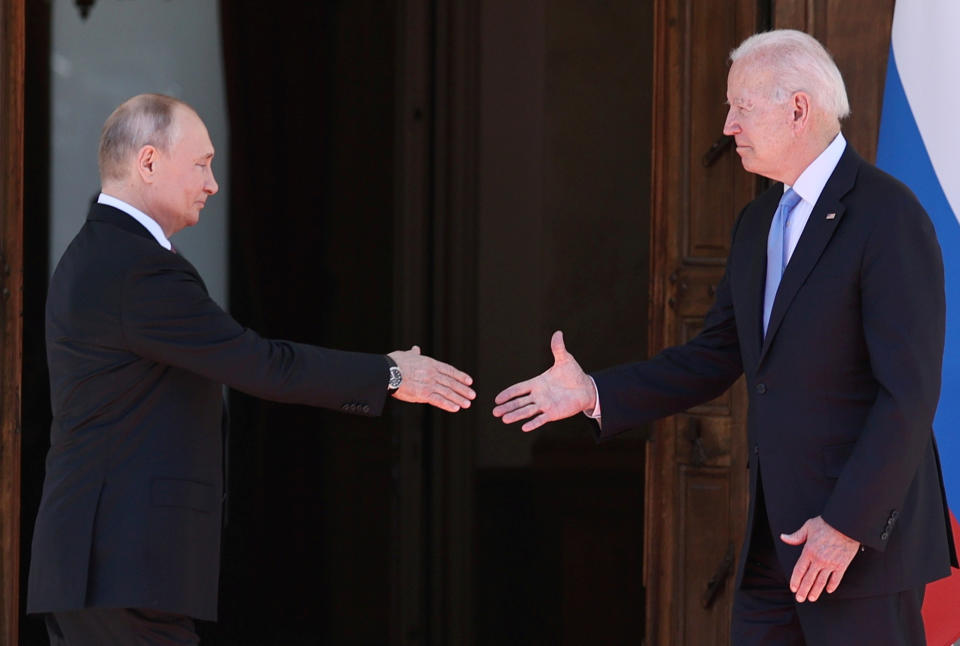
x=562 y=391
x=428 y=381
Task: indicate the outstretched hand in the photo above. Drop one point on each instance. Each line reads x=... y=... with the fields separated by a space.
x=562 y=391
x=826 y=555
x=428 y=381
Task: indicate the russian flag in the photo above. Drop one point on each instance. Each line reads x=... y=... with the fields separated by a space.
x=920 y=144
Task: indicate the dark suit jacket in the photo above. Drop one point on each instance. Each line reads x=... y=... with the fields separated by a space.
x=138 y=353
x=844 y=387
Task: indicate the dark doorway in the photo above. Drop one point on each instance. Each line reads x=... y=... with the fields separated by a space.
x=310 y=98
x=35 y=385
x=564 y=244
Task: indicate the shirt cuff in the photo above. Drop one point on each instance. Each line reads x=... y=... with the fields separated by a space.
x=595 y=414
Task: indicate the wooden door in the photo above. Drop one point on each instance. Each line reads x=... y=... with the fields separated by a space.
x=11 y=299
x=696 y=464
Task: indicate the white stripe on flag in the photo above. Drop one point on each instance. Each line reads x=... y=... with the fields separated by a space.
x=926 y=45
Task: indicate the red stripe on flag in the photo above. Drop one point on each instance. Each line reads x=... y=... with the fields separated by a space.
x=941 y=604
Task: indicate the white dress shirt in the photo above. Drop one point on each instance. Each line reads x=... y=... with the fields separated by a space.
x=149 y=223
x=809 y=186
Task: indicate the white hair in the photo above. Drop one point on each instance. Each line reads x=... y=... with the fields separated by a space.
x=146 y=119
x=798 y=63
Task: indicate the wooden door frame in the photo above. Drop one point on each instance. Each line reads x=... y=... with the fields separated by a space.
x=670 y=458
x=12 y=57
x=663 y=178
x=434 y=286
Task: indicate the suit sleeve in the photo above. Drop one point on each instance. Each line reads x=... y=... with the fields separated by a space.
x=168 y=317
x=903 y=312
x=679 y=377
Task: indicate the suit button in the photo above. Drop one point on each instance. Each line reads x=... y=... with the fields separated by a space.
x=756 y=449
x=761 y=389
x=884 y=536
x=366 y=408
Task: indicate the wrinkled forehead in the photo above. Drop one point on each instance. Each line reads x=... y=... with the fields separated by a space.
x=748 y=80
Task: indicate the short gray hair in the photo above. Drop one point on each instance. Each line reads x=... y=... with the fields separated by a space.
x=798 y=62
x=146 y=119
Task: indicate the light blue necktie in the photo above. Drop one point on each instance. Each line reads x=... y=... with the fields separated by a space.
x=777 y=252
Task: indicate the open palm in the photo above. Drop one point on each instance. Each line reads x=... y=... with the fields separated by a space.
x=562 y=391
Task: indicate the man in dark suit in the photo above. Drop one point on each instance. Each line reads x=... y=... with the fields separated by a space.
x=127 y=539
x=832 y=305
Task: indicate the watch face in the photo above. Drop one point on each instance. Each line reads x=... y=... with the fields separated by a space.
x=395 y=378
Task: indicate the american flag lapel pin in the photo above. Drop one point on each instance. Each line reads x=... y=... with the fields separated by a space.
x=831 y=216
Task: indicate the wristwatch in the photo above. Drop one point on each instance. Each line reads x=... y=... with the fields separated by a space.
x=396 y=377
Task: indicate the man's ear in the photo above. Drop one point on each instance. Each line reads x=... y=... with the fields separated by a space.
x=800 y=104
x=147 y=160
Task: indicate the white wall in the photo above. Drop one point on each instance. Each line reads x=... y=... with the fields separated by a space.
x=126 y=47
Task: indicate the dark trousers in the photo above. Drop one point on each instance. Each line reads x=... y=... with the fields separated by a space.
x=120 y=627
x=765 y=612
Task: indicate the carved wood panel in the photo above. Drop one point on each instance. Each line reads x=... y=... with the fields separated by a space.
x=696 y=480
x=706 y=555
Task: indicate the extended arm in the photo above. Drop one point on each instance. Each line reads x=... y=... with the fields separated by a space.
x=679 y=377
x=168 y=317
x=674 y=380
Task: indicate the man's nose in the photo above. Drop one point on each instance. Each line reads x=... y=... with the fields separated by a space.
x=211 y=186
x=730 y=126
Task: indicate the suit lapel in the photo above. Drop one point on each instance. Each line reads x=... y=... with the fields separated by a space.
x=823 y=222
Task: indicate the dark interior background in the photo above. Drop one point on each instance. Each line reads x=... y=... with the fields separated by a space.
x=563 y=239
x=310 y=102
x=35 y=393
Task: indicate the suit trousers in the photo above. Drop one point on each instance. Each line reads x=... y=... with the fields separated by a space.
x=765 y=612
x=120 y=627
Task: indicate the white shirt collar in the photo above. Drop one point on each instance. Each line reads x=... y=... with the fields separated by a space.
x=149 y=223
x=814 y=177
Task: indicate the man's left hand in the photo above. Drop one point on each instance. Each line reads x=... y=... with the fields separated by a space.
x=826 y=556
